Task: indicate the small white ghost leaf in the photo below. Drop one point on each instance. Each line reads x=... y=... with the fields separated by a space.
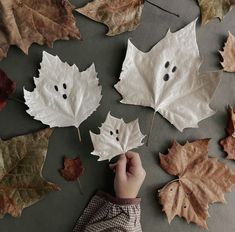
x=116 y=137
x=63 y=96
x=167 y=79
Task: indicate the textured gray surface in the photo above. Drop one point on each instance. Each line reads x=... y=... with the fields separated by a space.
x=59 y=211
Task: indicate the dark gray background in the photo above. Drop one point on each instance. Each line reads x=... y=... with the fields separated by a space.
x=59 y=210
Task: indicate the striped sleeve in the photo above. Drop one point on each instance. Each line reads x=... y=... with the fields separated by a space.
x=106 y=213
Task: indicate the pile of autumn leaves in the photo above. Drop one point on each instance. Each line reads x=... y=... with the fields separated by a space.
x=198 y=174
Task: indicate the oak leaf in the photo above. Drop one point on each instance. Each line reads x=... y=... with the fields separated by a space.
x=229 y=142
x=21 y=181
x=201 y=181
x=63 y=96
x=116 y=137
x=172 y=83
x=73 y=169
x=7 y=88
x=118 y=15
x=24 y=22
x=214 y=8
x=228 y=54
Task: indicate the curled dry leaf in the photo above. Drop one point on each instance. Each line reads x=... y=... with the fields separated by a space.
x=214 y=8
x=24 y=22
x=229 y=54
x=118 y=15
x=173 y=84
x=73 y=169
x=116 y=137
x=229 y=142
x=63 y=96
x=21 y=181
x=7 y=87
x=201 y=181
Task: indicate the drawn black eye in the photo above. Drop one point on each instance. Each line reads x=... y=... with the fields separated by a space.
x=56 y=88
x=111 y=133
x=174 y=69
x=64 y=86
x=167 y=64
x=117 y=139
x=166 y=77
x=64 y=96
x=117 y=131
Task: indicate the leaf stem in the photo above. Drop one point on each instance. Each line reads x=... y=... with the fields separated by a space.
x=80 y=186
x=151 y=128
x=169 y=12
x=79 y=135
x=175 y=180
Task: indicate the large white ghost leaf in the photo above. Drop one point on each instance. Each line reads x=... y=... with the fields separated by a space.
x=116 y=137
x=167 y=79
x=63 y=96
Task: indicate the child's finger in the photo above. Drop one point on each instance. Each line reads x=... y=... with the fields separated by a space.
x=134 y=159
x=121 y=167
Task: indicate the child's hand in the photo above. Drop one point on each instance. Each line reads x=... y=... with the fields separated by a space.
x=129 y=175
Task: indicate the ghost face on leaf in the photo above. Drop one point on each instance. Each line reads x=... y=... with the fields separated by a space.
x=63 y=96
x=116 y=137
x=167 y=79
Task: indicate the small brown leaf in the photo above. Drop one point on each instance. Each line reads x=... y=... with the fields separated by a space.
x=73 y=169
x=24 y=22
x=119 y=15
x=21 y=182
x=201 y=181
x=229 y=54
x=229 y=142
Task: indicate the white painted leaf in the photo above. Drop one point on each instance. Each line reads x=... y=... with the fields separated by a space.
x=116 y=137
x=167 y=79
x=63 y=96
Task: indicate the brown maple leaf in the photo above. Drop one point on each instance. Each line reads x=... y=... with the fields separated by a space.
x=228 y=54
x=229 y=142
x=118 y=15
x=24 y=22
x=73 y=169
x=21 y=182
x=201 y=181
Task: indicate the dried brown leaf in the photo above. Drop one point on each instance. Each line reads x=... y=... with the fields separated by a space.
x=73 y=169
x=21 y=162
x=214 y=8
x=229 y=142
x=24 y=22
x=119 y=15
x=229 y=54
x=201 y=181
